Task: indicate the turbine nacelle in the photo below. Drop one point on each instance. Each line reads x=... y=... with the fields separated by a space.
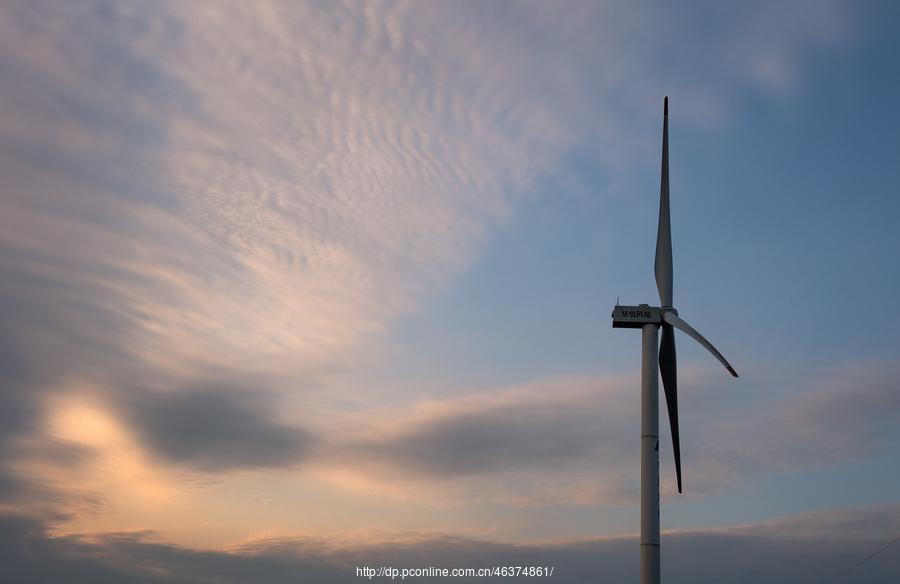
x=637 y=316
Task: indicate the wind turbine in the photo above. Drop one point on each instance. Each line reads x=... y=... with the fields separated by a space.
x=649 y=319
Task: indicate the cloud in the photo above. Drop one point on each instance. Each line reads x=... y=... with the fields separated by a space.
x=521 y=445
x=531 y=444
x=215 y=427
x=847 y=412
x=813 y=546
x=485 y=434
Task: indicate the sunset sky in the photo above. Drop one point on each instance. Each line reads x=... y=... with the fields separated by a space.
x=289 y=288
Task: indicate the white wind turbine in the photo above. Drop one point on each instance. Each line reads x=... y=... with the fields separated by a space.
x=649 y=319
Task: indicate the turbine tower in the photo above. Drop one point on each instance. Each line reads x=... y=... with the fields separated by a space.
x=649 y=319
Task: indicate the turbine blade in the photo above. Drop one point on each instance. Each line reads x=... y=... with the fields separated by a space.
x=674 y=320
x=662 y=265
x=667 y=369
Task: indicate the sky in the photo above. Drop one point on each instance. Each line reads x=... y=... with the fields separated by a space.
x=291 y=288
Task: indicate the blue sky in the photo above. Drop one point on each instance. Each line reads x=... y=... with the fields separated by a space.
x=293 y=286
